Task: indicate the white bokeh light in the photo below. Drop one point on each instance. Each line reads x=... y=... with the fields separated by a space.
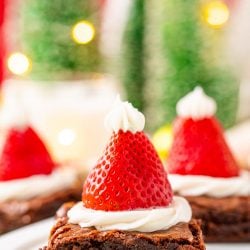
x=66 y=137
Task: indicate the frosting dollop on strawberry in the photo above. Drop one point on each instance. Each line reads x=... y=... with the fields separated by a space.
x=36 y=185
x=197 y=185
x=196 y=105
x=130 y=174
x=144 y=220
x=124 y=117
x=128 y=189
x=199 y=146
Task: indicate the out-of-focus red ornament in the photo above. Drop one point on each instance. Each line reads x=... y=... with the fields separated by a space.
x=102 y=2
x=230 y=3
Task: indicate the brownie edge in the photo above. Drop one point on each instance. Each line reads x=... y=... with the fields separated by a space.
x=223 y=219
x=66 y=236
x=15 y=213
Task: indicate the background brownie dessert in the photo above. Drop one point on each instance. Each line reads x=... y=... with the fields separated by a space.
x=203 y=170
x=127 y=201
x=32 y=186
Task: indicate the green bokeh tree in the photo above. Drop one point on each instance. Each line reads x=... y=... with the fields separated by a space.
x=46 y=27
x=171 y=51
x=132 y=59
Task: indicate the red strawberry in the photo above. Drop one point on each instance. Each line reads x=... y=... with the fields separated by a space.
x=23 y=155
x=128 y=176
x=199 y=148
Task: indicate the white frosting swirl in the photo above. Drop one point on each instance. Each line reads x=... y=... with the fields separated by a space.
x=37 y=185
x=196 y=185
x=147 y=220
x=196 y=105
x=124 y=117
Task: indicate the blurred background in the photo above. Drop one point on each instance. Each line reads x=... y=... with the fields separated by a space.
x=62 y=63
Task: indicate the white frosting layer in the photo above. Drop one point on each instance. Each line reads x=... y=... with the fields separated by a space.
x=196 y=105
x=196 y=185
x=37 y=185
x=148 y=220
x=13 y=114
x=124 y=117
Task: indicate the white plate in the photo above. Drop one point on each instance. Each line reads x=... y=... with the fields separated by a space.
x=27 y=238
x=34 y=236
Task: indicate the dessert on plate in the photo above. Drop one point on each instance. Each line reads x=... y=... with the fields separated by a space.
x=127 y=201
x=203 y=170
x=32 y=186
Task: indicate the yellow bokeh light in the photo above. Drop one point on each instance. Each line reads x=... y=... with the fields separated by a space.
x=18 y=63
x=162 y=140
x=83 y=32
x=216 y=13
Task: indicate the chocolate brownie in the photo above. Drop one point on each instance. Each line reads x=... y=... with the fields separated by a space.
x=69 y=236
x=223 y=219
x=18 y=213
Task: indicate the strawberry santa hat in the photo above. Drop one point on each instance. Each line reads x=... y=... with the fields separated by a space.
x=199 y=146
x=23 y=153
x=130 y=174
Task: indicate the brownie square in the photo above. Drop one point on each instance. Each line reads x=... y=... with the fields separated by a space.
x=223 y=219
x=18 y=213
x=66 y=236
